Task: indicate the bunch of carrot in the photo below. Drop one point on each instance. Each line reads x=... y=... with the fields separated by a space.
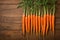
x=38 y=16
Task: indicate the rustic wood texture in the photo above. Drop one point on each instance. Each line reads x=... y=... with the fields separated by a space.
x=10 y=21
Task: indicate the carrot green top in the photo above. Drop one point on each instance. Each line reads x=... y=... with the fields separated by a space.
x=33 y=6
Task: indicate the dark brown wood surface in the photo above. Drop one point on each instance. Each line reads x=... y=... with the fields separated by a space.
x=10 y=21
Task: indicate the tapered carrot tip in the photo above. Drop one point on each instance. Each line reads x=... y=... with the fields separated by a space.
x=28 y=23
x=43 y=30
x=23 y=29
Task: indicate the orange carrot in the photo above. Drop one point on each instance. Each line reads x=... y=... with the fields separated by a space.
x=52 y=23
x=47 y=16
x=50 y=20
x=36 y=26
x=52 y=27
x=47 y=21
x=23 y=27
x=43 y=22
x=33 y=22
x=28 y=23
x=39 y=22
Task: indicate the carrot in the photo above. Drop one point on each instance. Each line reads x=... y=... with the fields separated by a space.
x=43 y=22
x=53 y=19
x=39 y=22
x=33 y=22
x=36 y=26
x=50 y=21
x=47 y=16
x=28 y=23
x=52 y=27
x=52 y=12
x=47 y=19
x=23 y=27
x=44 y=26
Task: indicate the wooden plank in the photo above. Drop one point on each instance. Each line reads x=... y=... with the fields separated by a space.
x=58 y=1
x=5 y=7
x=57 y=34
x=11 y=19
x=10 y=35
x=11 y=13
x=57 y=20
x=57 y=26
x=57 y=11
x=9 y=1
x=16 y=22
x=10 y=26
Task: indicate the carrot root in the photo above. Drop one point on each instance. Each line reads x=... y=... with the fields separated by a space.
x=23 y=27
x=33 y=22
x=39 y=22
x=53 y=23
x=47 y=23
x=28 y=23
x=36 y=27
x=43 y=24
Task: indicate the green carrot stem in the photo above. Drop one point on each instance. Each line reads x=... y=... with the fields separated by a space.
x=53 y=9
x=39 y=12
x=44 y=10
